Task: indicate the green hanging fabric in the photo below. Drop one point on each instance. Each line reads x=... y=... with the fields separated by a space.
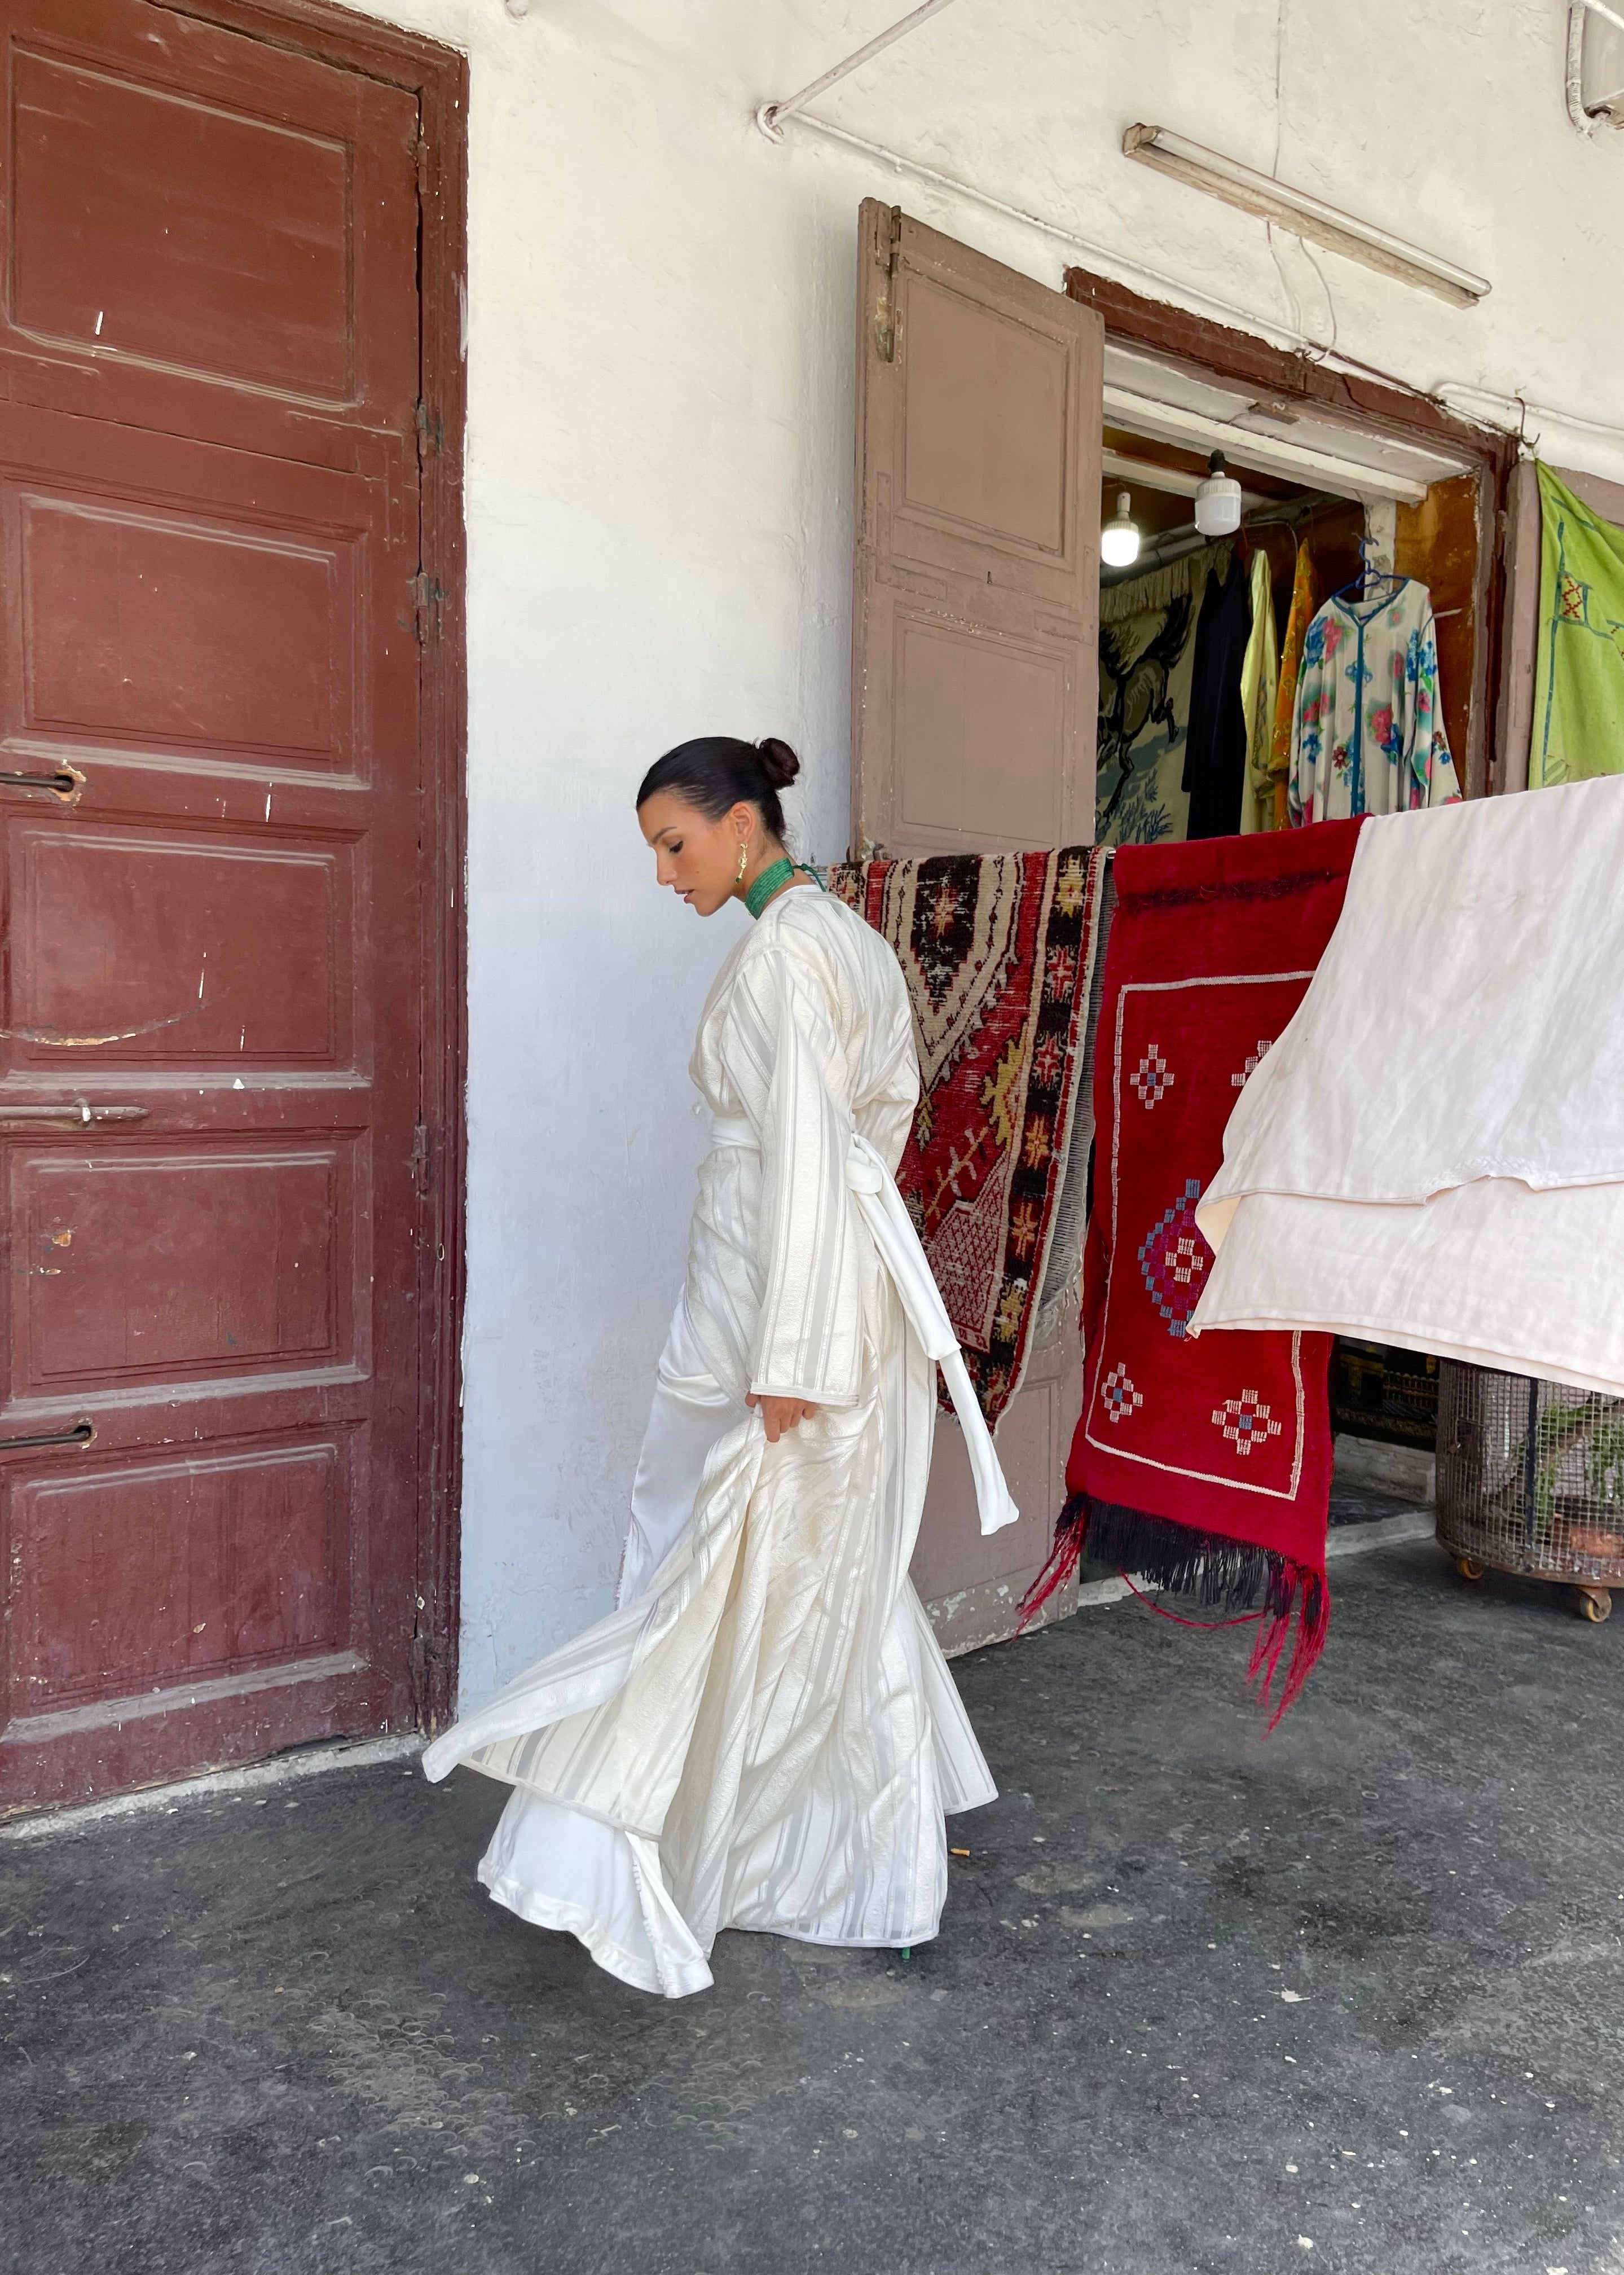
x=1579 y=664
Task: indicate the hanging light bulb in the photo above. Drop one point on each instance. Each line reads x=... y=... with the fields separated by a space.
x=1217 y=501
x=1119 y=539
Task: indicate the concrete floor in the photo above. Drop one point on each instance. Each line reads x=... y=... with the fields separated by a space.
x=1348 y=1998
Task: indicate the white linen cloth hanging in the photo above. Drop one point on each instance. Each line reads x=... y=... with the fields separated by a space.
x=1433 y=1153
x=1369 y=734
x=764 y=1733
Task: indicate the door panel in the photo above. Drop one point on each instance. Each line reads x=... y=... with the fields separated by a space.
x=143 y=628
x=987 y=417
x=210 y=234
x=142 y=1577
x=974 y=675
x=253 y=1251
x=145 y=937
x=962 y=693
x=209 y=1077
x=254 y=288
x=971 y=1584
x=975 y=614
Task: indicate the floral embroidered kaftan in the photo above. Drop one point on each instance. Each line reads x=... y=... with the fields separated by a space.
x=1369 y=735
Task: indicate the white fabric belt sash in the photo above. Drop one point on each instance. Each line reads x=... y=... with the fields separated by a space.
x=886 y=1214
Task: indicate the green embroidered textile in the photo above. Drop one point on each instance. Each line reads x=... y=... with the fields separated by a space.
x=1579 y=665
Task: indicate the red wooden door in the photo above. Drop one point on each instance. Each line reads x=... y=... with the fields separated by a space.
x=208 y=1069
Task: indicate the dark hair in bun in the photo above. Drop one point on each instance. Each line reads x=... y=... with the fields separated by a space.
x=714 y=772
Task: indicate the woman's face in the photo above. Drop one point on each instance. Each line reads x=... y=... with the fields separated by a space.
x=697 y=858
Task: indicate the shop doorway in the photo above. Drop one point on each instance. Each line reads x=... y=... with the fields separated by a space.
x=228 y=791
x=997 y=423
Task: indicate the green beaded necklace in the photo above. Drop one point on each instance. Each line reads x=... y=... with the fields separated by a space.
x=758 y=895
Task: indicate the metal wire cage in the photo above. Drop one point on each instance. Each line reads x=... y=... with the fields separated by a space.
x=1530 y=1480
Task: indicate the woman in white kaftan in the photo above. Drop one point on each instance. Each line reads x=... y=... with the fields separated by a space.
x=763 y=1733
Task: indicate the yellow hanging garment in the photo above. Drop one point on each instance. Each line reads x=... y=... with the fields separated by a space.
x=1299 y=619
x=1259 y=678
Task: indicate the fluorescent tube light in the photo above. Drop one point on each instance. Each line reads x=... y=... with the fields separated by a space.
x=1304 y=216
x=1149 y=476
x=1170 y=422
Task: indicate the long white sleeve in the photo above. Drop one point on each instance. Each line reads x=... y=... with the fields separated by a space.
x=788 y=1058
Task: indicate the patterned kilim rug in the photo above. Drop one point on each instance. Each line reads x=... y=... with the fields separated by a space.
x=999 y=953
x=1201 y=1462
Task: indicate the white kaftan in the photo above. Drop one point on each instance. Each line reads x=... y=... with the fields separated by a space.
x=764 y=1733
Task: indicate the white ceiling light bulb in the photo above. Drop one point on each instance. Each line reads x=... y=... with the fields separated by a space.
x=1119 y=539
x=1217 y=501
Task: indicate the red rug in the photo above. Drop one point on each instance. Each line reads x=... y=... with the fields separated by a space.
x=1203 y=1462
x=998 y=950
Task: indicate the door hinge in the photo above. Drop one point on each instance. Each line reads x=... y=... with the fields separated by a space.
x=885 y=307
x=427 y=594
x=431 y=431
x=422 y=1164
x=420 y=152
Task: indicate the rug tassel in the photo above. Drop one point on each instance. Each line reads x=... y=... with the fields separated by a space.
x=1220 y=1573
x=1070 y=1531
x=1307 y=1607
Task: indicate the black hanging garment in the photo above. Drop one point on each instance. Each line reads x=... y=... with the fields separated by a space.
x=1215 y=740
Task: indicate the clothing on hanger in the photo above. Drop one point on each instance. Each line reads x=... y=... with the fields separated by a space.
x=1215 y=741
x=1260 y=680
x=1297 y=620
x=1579 y=661
x=1369 y=734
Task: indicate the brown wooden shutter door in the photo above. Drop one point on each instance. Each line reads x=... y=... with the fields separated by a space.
x=974 y=674
x=976 y=629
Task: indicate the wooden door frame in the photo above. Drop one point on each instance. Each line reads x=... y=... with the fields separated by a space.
x=1211 y=351
x=438 y=76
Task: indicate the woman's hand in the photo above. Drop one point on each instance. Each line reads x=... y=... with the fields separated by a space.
x=781 y=1414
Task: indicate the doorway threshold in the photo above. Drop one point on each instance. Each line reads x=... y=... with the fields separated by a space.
x=282 y=1769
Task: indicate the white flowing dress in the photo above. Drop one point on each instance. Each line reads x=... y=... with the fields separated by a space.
x=764 y=1734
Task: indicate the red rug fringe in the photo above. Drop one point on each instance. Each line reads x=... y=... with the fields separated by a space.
x=1220 y=1572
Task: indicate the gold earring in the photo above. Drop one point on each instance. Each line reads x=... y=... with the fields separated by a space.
x=744 y=852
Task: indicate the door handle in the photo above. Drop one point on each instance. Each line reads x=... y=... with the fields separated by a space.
x=80 y=1433
x=64 y=783
x=77 y=1114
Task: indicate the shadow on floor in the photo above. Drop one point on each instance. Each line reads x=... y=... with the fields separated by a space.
x=1347 y=1998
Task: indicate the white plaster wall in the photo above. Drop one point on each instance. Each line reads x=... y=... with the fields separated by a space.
x=658 y=511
